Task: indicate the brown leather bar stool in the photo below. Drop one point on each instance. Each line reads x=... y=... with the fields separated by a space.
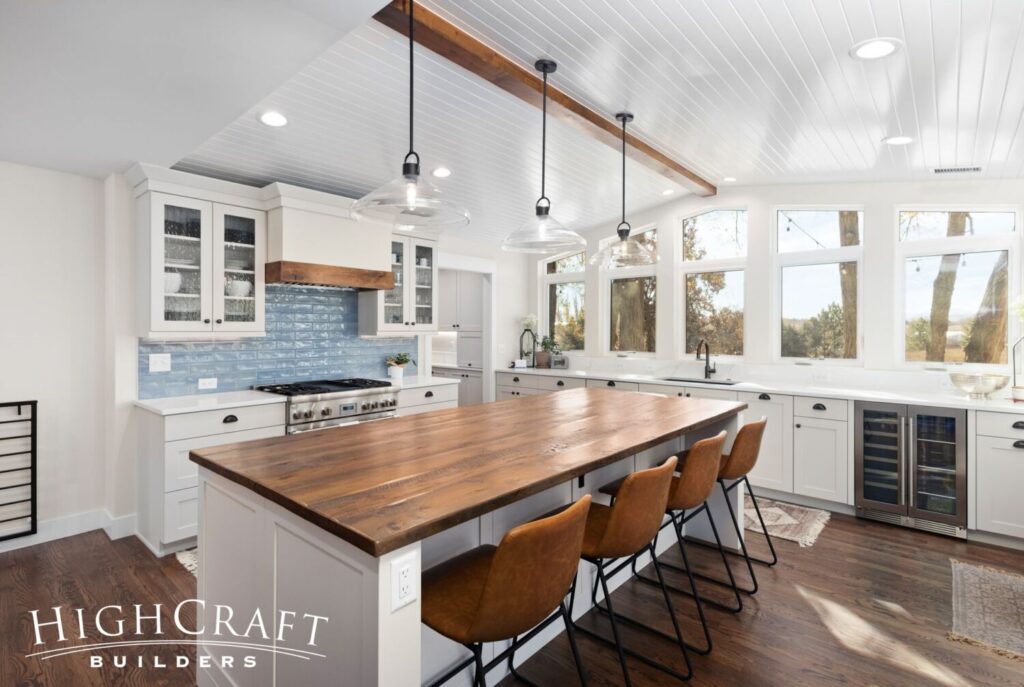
x=690 y=491
x=491 y=594
x=735 y=467
x=625 y=529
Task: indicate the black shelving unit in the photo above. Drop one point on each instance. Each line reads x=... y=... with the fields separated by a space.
x=18 y=422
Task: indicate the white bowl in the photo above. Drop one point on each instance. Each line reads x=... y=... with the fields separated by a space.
x=172 y=282
x=239 y=289
x=978 y=385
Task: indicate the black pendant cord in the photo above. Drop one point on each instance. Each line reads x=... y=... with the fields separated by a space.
x=623 y=229
x=544 y=142
x=407 y=167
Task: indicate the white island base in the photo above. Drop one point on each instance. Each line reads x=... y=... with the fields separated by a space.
x=254 y=554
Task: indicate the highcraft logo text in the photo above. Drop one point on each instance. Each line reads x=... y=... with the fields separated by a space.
x=124 y=630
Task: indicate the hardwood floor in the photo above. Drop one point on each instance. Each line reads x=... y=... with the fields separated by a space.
x=869 y=604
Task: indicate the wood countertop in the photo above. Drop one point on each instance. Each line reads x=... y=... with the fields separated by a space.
x=383 y=485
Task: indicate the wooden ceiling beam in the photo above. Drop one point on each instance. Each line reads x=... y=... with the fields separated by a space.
x=444 y=38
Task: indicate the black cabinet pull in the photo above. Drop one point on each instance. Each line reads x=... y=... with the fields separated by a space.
x=559 y=383
x=429 y=394
x=1019 y=443
x=220 y=321
x=679 y=393
x=611 y=383
x=1019 y=424
x=206 y=321
x=687 y=394
x=798 y=426
x=515 y=379
x=764 y=397
x=819 y=406
x=230 y=418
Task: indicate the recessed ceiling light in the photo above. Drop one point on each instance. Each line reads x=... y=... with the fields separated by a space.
x=875 y=48
x=729 y=179
x=668 y=192
x=898 y=140
x=273 y=118
x=442 y=172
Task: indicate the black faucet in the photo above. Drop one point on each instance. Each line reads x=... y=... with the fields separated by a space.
x=709 y=369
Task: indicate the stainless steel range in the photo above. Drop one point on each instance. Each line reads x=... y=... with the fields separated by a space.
x=322 y=404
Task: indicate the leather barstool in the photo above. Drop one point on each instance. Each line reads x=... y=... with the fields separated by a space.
x=687 y=498
x=622 y=530
x=491 y=594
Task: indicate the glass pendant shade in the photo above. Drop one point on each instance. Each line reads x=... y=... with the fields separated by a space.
x=410 y=202
x=624 y=252
x=543 y=234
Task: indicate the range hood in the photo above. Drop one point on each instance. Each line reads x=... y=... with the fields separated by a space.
x=312 y=240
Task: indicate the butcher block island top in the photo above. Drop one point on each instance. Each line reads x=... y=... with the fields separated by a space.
x=383 y=485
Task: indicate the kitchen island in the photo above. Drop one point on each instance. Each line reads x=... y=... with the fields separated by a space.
x=339 y=523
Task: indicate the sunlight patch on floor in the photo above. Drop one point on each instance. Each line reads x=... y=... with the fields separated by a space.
x=894 y=609
x=860 y=636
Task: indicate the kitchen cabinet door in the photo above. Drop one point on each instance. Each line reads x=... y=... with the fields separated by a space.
x=181 y=264
x=1000 y=474
x=774 y=467
x=239 y=254
x=820 y=458
x=448 y=300
x=422 y=292
x=469 y=350
x=471 y=389
x=470 y=295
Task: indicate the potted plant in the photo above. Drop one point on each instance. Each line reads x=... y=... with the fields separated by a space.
x=396 y=365
x=548 y=348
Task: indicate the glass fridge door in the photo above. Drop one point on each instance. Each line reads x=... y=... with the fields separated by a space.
x=880 y=457
x=938 y=465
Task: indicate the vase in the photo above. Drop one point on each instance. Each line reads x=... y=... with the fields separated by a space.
x=395 y=372
x=542 y=359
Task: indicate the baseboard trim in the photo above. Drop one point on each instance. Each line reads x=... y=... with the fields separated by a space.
x=70 y=525
x=807 y=501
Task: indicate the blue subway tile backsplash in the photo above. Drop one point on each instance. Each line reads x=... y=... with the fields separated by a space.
x=311 y=333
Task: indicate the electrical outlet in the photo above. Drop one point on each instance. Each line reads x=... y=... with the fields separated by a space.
x=159 y=362
x=207 y=383
x=405 y=577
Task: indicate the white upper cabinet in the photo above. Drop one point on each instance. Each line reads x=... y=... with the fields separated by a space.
x=461 y=300
x=410 y=307
x=206 y=267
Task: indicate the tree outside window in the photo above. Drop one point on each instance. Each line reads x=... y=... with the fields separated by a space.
x=714 y=311
x=633 y=323
x=566 y=315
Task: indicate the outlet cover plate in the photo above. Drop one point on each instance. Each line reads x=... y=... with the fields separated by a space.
x=207 y=383
x=159 y=362
x=405 y=581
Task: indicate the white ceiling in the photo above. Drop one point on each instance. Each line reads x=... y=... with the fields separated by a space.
x=92 y=87
x=763 y=90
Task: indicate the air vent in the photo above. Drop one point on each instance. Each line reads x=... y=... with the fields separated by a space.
x=957 y=170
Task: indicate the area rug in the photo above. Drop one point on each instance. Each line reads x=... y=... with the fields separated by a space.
x=189 y=560
x=988 y=608
x=786 y=520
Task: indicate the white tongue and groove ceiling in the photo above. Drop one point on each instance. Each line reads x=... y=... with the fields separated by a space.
x=761 y=90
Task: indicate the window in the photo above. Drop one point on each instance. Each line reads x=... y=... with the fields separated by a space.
x=633 y=325
x=714 y=259
x=956 y=280
x=819 y=262
x=563 y=279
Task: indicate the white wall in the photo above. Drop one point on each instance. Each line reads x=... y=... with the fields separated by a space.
x=881 y=309
x=51 y=340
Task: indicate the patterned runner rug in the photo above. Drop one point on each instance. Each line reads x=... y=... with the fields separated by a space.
x=988 y=608
x=786 y=520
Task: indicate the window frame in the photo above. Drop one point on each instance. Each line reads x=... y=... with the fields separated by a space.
x=683 y=268
x=828 y=256
x=920 y=248
x=546 y=280
x=605 y=279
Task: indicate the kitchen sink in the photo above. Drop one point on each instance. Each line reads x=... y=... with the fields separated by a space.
x=697 y=380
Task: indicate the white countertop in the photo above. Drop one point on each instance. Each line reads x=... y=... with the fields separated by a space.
x=1002 y=403
x=175 y=405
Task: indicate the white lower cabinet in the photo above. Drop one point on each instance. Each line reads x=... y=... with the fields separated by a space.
x=774 y=467
x=1000 y=474
x=424 y=399
x=168 y=505
x=820 y=458
x=507 y=392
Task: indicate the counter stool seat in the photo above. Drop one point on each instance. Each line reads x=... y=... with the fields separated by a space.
x=452 y=592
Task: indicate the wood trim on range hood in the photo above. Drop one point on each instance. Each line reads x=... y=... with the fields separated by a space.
x=310 y=274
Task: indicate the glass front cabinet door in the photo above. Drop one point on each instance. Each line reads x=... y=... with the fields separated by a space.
x=206 y=267
x=410 y=307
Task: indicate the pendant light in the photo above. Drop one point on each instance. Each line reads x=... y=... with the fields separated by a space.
x=542 y=233
x=410 y=201
x=626 y=252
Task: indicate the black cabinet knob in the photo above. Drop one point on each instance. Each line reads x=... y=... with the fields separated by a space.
x=228 y=419
x=1018 y=444
x=559 y=383
x=1019 y=424
x=429 y=394
x=220 y=321
x=206 y=321
x=764 y=397
x=515 y=379
x=798 y=425
x=680 y=393
x=819 y=406
x=611 y=383
x=687 y=394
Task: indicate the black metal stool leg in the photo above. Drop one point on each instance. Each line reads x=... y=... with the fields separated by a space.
x=696 y=595
x=764 y=529
x=572 y=644
x=615 y=627
x=739 y=535
x=512 y=665
x=480 y=678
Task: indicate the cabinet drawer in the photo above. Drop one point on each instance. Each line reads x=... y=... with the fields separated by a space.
x=428 y=394
x=663 y=389
x=506 y=392
x=1006 y=425
x=515 y=379
x=560 y=383
x=609 y=384
x=211 y=422
x=827 y=408
x=181 y=514
x=424 y=408
x=181 y=473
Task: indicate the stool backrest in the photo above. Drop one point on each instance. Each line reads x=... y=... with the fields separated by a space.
x=530 y=574
x=745 y=449
x=698 y=473
x=638 y=511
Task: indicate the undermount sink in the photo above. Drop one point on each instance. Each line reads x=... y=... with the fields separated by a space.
x=697 y=380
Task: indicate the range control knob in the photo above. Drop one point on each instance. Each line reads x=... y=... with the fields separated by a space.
x=308 y=414
x=366 y=406
x=296 y=415
x=325 y=412
x=374 y=405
